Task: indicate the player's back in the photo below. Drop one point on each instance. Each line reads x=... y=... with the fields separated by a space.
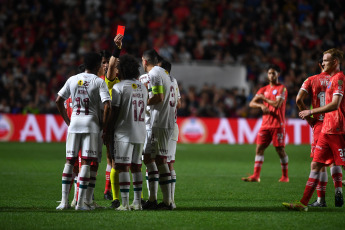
x=131 y=98
x=163 y=113
x=316 y=87
x=144 y=79
x=87 y=95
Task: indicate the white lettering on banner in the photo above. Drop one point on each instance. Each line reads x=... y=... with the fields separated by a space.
x=31 y=129
x=224 y=133
x=52 y=127
x=297 y=123
x=245 y=131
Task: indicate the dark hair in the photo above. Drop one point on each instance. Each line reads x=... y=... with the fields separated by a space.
x=128 y=67
x=165 y=65
x=92 y=61
x=151 y=56
x=105 y=53
x=275 y=67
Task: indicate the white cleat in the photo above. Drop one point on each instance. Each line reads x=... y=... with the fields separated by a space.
x=173 y=205
x=63 y=206
x=123 y=208
x=74 y=203
x=136 y=206
x=82 y=208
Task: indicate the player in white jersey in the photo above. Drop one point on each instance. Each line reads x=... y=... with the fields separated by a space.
x=174 y=137
x=87 y=92
x=128 y=125
x=162 y=106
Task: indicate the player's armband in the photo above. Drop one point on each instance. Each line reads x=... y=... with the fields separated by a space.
x=157 y=89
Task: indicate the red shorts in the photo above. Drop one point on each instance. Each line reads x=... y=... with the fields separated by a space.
x=316 y=133
x=276 y=135
x=330 y=149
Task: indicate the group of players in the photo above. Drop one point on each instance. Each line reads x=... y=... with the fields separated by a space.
x=134 y=117
x=326 y=117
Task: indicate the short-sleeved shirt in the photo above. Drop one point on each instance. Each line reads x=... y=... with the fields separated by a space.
x=146 y=80
x=334 y=122
x=87 y=92
x=163 y=113
x=316 y=87
x=276 y=116
x=131 y=98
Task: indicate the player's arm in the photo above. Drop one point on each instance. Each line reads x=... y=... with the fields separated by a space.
x=302 y=94
x=256 y=102
x=178 y=103
x=106 y=114
x=60 y=106
x=333 y=105
x=158 y=95
x=276 y=104
x=114 y=59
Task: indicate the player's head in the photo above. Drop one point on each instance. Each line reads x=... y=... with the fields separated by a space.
x=165 y=65
x=92 y=62
x=273 y=73
x=128 y=67
x=105 y=60
x=149 y=59
x=331 y=59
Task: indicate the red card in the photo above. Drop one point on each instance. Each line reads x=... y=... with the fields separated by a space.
x=120 y=30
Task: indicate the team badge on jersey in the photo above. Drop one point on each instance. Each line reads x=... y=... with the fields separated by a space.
x=340 y=82
x=274 y=92
x=80 y=82
x=134 y=86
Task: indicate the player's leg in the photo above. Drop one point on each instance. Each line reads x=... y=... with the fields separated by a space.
x=107 y=189
x=114 y=179
x=123 y=155
x=337 y=176
x=259 y=160
x=321 y=190
x=137 y=176
x=284 y=161
x=76 y=185
x=72 y=146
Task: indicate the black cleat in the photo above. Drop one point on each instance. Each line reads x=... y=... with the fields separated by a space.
x=338 y=198
x=317 y=204
x=142 y=202
x=115 y=204
x=108 y=196
x=163 y=206
x=150 y=205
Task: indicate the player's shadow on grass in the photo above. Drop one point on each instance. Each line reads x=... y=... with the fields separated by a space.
x=252 y=209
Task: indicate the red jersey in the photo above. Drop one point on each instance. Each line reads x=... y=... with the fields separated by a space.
x=68 y=107
x=316 y=87
x=276 y=116
x=334 y=122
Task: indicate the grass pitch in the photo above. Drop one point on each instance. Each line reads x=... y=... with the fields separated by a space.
x=209 y=192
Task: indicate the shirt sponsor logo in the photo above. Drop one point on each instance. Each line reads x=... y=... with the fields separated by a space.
x=274 y=92
x=134 y=86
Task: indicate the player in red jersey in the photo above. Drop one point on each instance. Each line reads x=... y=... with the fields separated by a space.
x=330 y=146
x=315 y=86
x=271 y=100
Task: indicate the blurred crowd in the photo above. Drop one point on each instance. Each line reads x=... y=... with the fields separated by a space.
x=42 y=42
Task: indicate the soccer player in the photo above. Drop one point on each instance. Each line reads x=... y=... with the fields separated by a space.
x=108 y=73
x=128 y=125
x=316 y=86
x=87 y=92
x=162 y=123
x=271 y=99
x=330 y=146
x=174 y=137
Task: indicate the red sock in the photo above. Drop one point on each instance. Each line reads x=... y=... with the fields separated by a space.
x=284 y=164
x=321 y=189
x=107 y=180
x=259 y=160
x=310 y=187
x=337 y=176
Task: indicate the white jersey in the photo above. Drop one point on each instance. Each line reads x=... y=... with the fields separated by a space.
x=163 y=113
x=131 y=98
x=146 y=80
x=178 y=97
x=87 y=92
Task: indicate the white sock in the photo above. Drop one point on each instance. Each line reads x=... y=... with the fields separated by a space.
x=137 y=187
x=173 y=183
x=66 y=182
x=153 y=176
x=84 y=177
x=125 y=183
x=91 y=187
x=75 y=187
x=165 y=182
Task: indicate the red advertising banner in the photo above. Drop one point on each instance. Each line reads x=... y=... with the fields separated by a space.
x=51 y=128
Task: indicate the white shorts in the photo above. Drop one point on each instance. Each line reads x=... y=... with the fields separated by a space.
x=147 y=145
x=126 y=153
x=87 y=142
x=160 y=141
x=99 y=158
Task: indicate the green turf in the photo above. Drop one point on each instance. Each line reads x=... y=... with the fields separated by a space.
x=209 y=192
